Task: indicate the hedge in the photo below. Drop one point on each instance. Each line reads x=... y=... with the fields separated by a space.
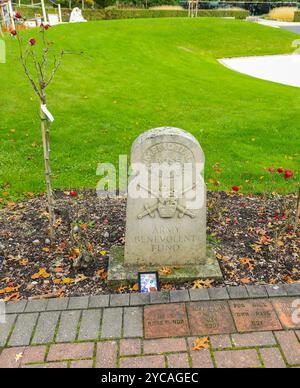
x=297 y=16
x=109 y=14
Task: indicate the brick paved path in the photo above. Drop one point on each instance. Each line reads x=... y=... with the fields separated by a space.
x=247 y=327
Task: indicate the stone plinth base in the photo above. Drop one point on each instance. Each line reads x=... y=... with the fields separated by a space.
x=118 y=273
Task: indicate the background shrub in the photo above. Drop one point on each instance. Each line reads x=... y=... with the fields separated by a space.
x=283 y=14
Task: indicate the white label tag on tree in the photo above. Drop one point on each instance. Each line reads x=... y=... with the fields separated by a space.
x=47 y=113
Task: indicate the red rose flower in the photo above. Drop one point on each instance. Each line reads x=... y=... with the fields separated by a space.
x=13 y=33
x=18 y=15
x=288 y=174
x=280 y=170
x=32 y=42
x=73 y=193
x=271 y=169
x=235 y=188
x=45 y=26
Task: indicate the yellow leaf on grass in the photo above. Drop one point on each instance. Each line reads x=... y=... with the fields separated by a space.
x=135 y=287
x=68 y=281
x=165 y=271
x=245 y=281
x=201 y=343
x=18 y=356
x=9 y=289
x=122 y=289
x=247 y=262
x=41 y=274
x=80 y=278
x=202 y=283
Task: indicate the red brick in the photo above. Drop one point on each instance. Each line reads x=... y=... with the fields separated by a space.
x=166 y=345
x=254 y=315
x=220 y=341
x=82 y=364
x=130 y=347
x=237 y=359
x=166 y=320
x=33 y=354
x=290 y=346
x=288 y=312
x=143 y=362
x=106 y=354
x=70 y=351
x=254 y=339
x=8 y=357
x=272 y=358
x=179 y=360
x=208 y=318
x=202 y=359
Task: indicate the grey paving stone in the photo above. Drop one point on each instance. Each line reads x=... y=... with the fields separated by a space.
x=159 y=297
x=90 y=325
x=276 y=290
x=36 y=306
x=139 y=299
x=97 y=301
x=118 y=300
x=199 y=294
x=292 y=289
x=112 y=323
x=6 y=327
x=78 y=303
x=179 y=296
x=218 y=293
x=133 y=322
x=57 y=304
x=68 y=326
x=23 y=329
x=44 y=332
x=238 y=292
x=257 y=291
x=15 y=307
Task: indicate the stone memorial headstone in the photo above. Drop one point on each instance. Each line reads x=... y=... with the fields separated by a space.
x=166 y=209
x=76 y=16
x=53 y=19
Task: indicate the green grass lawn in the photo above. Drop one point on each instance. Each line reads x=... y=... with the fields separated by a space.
x=139 y=74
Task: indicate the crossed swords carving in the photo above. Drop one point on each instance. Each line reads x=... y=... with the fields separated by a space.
x=173 y=202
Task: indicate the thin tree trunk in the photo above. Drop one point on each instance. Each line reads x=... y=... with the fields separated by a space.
x=46 y=148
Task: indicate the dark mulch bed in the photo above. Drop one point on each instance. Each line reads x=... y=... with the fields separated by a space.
x=256 y=242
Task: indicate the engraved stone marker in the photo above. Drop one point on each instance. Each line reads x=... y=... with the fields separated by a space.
x=254 y=315
x=166 y=209
x=165 y=321
x=207 y=318
x=160 y=228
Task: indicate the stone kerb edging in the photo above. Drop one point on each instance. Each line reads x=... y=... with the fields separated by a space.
x=125 y=300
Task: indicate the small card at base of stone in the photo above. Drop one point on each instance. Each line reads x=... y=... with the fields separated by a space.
x=148 y=282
